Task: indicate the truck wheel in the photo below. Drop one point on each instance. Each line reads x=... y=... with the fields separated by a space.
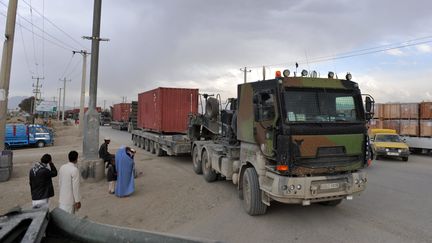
x=159 y=150
x=405 y=159
x=40 y=144
x=331 y=203
x=152 y=147
x=208 y=173
x=197 y=166
x=252 y=202
x=7 y=147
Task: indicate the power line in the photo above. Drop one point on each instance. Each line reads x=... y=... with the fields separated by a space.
x=25 y=49
x=43 y=42
x=33 y=39
x=73 y=69
x=67 y=66
x=48 y=40
x=42 y=30
x=49 y=21
x=361 y=52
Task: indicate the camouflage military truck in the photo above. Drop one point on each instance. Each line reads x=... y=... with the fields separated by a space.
x=297 y=140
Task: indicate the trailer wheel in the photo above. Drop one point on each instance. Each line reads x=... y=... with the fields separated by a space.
x=159 y=150
x=252 y=202
x=135 y=141
x=197 y=166
x=40 y=144
x=208 y=173
x=7 y=146
x=405 y=159
x=140 y=142
x=146 y=145
x=152 y=147
x=331 y=203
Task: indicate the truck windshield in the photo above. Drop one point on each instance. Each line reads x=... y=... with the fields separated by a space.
x=320 y=106
x=388 y=138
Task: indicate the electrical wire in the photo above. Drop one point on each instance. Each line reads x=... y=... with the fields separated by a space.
x=48 y=40
x=60 y=42
x=361 y=52
x=67 y=66
x=43 y=42
x=25 y=49
x=33 y=40
x=73 y=69
x=52 y=23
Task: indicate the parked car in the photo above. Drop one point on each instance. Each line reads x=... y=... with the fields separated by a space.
x=387 y=143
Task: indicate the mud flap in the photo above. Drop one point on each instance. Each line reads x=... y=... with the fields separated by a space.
x=265 y=198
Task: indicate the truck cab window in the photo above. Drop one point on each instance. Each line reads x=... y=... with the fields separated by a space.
x=264 y=108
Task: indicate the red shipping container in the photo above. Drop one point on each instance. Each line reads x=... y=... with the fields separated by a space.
x=426 y=110
x=392 y=111
x=166 y=110
x=409 y=111
x=121 y=112
x=392 y=124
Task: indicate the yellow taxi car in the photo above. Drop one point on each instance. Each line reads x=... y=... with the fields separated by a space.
x=387 y=143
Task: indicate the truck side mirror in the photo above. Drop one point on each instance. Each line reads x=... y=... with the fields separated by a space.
x=368 y=104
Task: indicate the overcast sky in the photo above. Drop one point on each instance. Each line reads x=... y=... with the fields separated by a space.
x=202 y=44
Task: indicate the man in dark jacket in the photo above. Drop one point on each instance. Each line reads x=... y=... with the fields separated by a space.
x=103 y=151
x=40 y=181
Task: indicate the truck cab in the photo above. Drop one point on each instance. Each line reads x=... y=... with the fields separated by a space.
x=18 y=135
x=299 y=140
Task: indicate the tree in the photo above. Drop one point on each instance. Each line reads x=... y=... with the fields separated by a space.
x=27 y=104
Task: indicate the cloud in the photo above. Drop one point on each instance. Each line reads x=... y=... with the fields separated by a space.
x=204 y=43
x=424 y=48
x=395 y=52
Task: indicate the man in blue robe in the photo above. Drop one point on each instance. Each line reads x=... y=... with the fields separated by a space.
x=124 y=163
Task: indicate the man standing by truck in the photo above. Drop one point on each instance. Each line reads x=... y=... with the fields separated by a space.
x=40 y=177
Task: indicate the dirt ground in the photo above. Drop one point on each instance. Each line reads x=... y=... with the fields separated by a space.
x=162 y=200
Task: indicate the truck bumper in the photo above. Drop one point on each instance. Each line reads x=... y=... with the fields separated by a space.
x=306 y=190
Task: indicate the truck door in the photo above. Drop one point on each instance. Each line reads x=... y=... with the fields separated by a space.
x=265 y=114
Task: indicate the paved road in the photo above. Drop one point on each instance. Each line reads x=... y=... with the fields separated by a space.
x=396 y=207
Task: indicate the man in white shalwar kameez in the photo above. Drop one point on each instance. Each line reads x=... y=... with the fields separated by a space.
x=69 y=184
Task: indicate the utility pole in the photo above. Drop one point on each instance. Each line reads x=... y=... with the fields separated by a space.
x=104 y=105
x=64 y=96
x=84 y=54
x=91 y=117
x=58 y=107
x=245 y=71
x=6 y=63
x=264 y=73
x=37 y=93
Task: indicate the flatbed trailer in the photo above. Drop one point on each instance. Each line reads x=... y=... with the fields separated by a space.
x=419 y=144
x=161 y=144
x=119 y=125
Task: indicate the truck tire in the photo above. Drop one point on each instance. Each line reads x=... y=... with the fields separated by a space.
x=7 y=147
x=252 y=202
x=208 y=173
x=405 y=159
x=152 y=147
x=332 y=203
x=159 y=150
x=196 y=163
x=40 y=144
x=212 y=108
